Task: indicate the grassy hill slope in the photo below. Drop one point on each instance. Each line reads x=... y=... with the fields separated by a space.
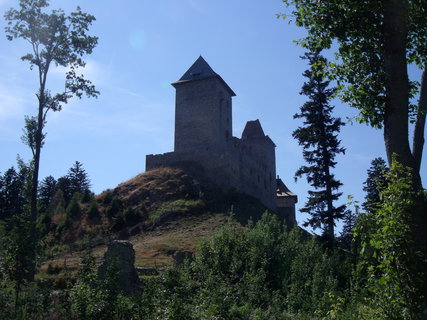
x=160 y=212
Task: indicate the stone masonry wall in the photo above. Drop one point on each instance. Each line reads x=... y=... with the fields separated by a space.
x=248 y=166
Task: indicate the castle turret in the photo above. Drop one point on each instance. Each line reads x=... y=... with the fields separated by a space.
x=203 y=110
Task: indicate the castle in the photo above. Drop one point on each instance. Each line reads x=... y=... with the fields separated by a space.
x=204 y=141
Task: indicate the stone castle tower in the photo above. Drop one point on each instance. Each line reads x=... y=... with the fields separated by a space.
x=203 y=140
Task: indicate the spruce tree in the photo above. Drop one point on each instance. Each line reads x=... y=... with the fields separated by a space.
x=12 y=195
x=79 y=179
x=47 y=191
x=374 y=183
x=318 y=137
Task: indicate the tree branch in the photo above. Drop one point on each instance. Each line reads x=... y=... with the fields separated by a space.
x=418 y=140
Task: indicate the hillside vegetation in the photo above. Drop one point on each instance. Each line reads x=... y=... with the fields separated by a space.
x=161 y=211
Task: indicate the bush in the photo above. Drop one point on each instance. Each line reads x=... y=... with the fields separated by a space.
x=263 y=267
x=113 y=209
x=131 y=216
x=53 y=269
x=93 y=211
x=73 y=209
x=393 y=280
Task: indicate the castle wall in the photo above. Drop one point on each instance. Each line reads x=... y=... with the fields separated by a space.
x=249 y=167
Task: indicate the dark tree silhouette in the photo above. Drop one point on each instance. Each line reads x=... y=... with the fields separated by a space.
x=318 y=136
x=12 y=192
x=374 y=183
x=79 y=179
x=47 y=191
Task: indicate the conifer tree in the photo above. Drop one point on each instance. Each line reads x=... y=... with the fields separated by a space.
x=47 y=191
x=78 y=178
x=374 y=183
x=12 y=195
x=318 y=137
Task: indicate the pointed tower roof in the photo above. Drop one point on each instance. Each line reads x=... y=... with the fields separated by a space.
x=200 y=70
x=253 y=129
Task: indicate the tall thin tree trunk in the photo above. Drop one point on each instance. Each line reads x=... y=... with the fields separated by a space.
x=34 y=191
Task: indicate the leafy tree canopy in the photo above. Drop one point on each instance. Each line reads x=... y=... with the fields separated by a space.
x=374 y=42
x=357 y=27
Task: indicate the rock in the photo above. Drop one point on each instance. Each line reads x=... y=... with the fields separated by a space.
x=120 y=256
x=147 y=271
x=180 y=256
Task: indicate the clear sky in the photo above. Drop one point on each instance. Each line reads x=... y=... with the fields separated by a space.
x=144 y=45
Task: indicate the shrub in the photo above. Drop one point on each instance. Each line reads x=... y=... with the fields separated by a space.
x=73 y=209
x=113 y=209
x=393 y=280
x=93 y=211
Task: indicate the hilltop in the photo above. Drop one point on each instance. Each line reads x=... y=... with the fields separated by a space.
x=161 y=211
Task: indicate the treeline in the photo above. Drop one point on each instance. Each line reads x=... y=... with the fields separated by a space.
x=14 y=188
x=53 y=194
x=261 y=271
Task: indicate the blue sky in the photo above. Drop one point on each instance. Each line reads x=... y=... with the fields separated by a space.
x=144 y=45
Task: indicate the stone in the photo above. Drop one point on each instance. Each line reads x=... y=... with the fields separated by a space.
x=147 y=271
x=121 y=253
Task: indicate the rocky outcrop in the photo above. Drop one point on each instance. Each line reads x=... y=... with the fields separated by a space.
x=118 y=261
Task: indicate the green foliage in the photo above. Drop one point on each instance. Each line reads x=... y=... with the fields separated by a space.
x=47 y=190
x=118 y=223
x=79 y=181
x=131 y=216
x=92 y=298
x=33 y=302
x=114 y=208
x=108 y=197
x=393 y=280
x=93 y=211
x=54 y=39
x=57 y=205
x=13 y=191
x=30 y=133
x=73 y=209
x=261 y=267
x=17 y=246
x=318 y=137
x=358 y=29
x=176 y=207
x=374 y=184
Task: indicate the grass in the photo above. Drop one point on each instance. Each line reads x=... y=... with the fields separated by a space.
x=175 y=207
